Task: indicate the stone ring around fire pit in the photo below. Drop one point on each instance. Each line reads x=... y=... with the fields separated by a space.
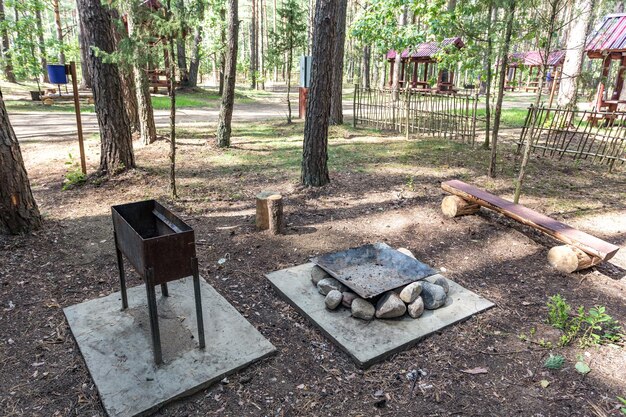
x=378 y=281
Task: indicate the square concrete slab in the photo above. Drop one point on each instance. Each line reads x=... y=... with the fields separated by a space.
x=117 y=347
x=370 y=342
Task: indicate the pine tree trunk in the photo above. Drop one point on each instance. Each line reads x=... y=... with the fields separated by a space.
x=228 y=97
x=181 y=50
x=194 y=64
x=253 y=46
x=574 y=53
x=59 y=29
x=315 y=149
x=5 y=52
x=18 y=209
x=42 y=46
x=115 y=138
x=222 y=53
x=336 y=101
x=492 y=16
x=367 y=54
x=85 y=81
x=145 y=111
x=395 y=85
x=504 y=58
x=172 y=155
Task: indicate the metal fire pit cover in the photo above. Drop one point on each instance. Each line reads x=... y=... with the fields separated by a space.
x=373 y=269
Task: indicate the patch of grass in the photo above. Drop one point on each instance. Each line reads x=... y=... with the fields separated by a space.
x=37 y=106
x=511 y=118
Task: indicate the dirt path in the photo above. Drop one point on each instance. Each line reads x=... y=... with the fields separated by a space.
x=35 y=125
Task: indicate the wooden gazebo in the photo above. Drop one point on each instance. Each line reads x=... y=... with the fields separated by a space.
x=421 y=62
x=608 y=42
x=533 y=60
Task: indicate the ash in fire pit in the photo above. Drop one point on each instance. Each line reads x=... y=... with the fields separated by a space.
x=377 y=280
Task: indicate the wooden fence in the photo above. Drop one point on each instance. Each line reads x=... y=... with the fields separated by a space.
x=598 y=137
x=451 y=116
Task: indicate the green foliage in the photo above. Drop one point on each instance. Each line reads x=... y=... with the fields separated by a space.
x=74 y=176
x=594 y=327
x=558 y=312
x=623 y=401
x=554 y=362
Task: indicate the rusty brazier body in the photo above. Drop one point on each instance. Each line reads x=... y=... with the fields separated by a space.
x=161 y=248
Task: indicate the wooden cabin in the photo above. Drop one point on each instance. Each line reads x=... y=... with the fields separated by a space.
x=420 y=64
x=608 y=43
x=533 y=61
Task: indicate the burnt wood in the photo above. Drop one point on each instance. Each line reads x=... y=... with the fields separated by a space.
x=567 y=234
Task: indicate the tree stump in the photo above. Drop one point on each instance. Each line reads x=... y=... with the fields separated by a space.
x=453 y=206
x=269 y=212
x=567 y=258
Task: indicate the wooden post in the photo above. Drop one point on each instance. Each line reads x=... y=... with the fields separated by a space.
x=454 y=206
x=79 y=122
x=269 y=212
x=408 y=111
x=354 y=105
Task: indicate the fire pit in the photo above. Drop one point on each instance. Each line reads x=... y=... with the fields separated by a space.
x=377 y=280
x=161 y=248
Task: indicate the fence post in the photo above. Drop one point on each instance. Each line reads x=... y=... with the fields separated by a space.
x=354 y=106
x=408 y=110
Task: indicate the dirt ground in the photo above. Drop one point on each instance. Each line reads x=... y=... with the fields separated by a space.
x=382 y=189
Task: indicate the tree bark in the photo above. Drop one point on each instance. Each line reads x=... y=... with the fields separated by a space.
x=228 y=97
x=253 y=46
x=454 y=206
x=127 y=81
x=85 y=81
x=222 y=53
x=181 y=47
x=492 y=12
x=115 y=138
x=336 y=102
x=172 y=155
x=5 y=51
x=315 y=147
x=145 y=111
x=59 y=29
x=367 y=57
x=42 y=46
x=18 y=210
x=194 y=64
x=395 y=85
x=504 y=60
x=574 y=53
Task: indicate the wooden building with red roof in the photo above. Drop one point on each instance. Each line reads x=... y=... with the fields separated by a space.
x=533 y=61
x=608 y=43
x=420 y=63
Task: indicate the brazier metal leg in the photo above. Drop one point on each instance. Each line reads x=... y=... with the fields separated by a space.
x=120 y=267
x=196 y=290
x=154 y=317
x=164 y=291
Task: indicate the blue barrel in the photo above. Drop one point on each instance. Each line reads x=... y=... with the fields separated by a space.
x=57 y=74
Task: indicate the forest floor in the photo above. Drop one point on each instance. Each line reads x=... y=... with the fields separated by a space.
x=383 y=188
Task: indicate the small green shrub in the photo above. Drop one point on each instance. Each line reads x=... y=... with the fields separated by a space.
x=594 y=327
x=558 y=312
x=74 y=176
x=554 y=362
x=623 y=401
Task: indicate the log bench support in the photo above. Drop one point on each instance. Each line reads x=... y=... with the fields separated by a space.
x=269 y=212
x=581 y=250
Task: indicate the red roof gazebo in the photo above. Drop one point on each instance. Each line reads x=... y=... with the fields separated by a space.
x=608 y=42
x=424 y=54
x=533 y=60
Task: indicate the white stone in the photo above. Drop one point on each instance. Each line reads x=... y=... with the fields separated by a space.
x=416 y=308
x=362 y=309
x=390 y=306
x=411 y=292
x=333 y=299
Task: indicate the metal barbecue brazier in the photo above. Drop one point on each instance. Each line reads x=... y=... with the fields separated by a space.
x=161 y=248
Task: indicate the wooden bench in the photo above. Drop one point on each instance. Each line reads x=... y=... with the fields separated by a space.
x=581 y=251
